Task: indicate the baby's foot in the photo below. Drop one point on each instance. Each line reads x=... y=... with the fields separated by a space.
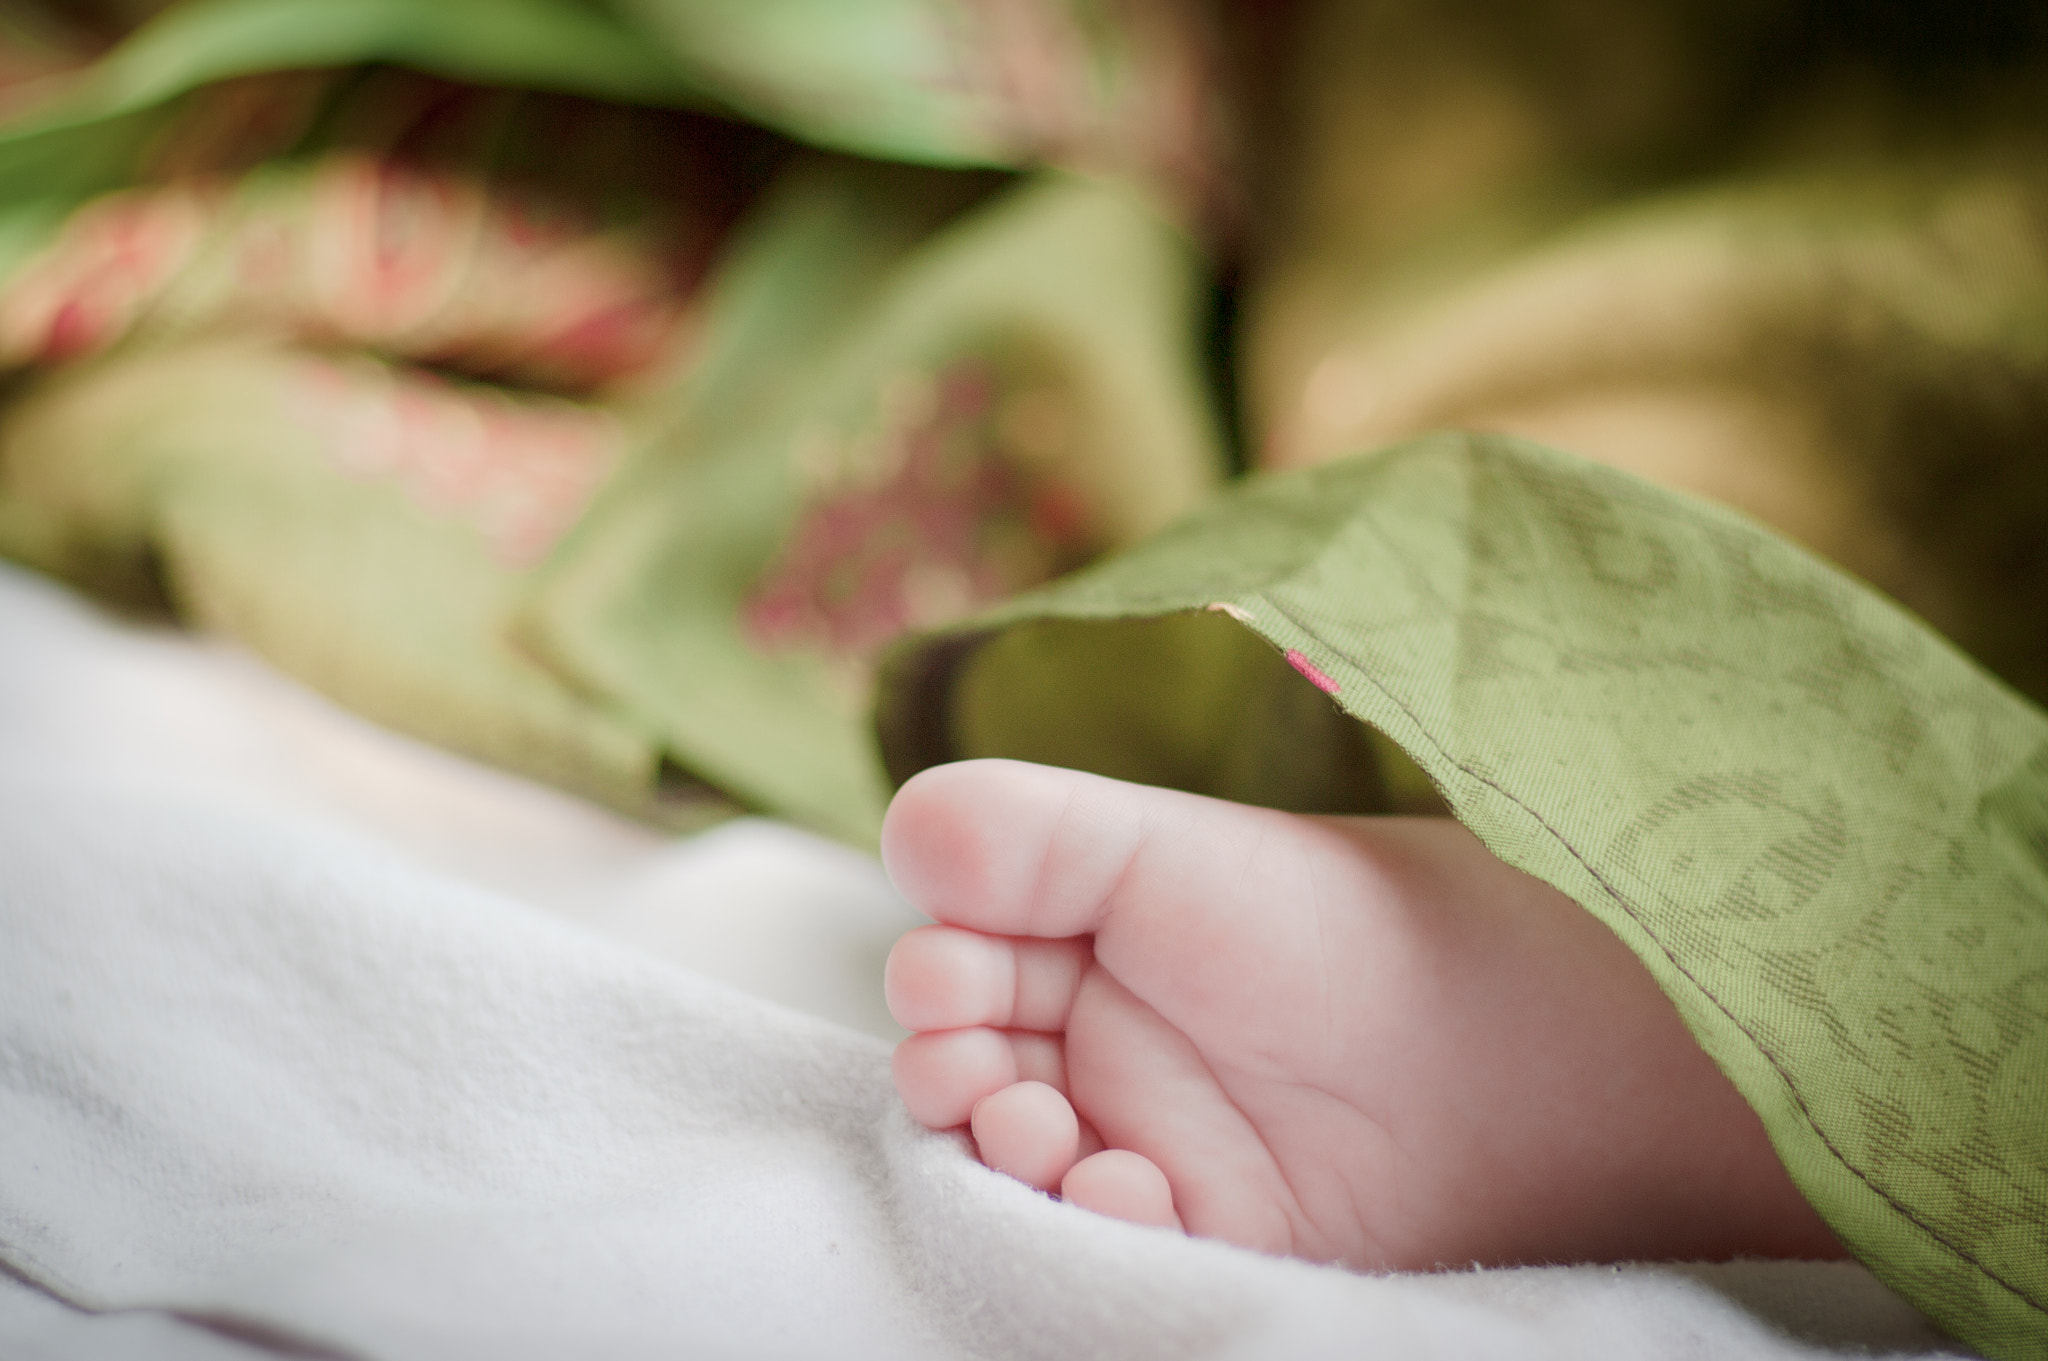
x=1362 y=1040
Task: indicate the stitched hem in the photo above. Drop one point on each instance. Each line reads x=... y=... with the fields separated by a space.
x=1636 y=916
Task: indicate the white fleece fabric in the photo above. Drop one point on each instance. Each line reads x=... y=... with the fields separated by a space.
x=316 y=1043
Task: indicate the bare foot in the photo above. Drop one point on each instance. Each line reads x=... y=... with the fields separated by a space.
x=1361 y=1040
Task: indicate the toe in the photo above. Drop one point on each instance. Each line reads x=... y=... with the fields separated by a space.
x=942 y=978
x=943 y=1073
x=1013 y=849
x=992 y=845
x=1027 y=1131
x=1122 y=1185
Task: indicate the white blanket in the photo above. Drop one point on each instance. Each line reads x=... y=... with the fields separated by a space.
x=317 y=1043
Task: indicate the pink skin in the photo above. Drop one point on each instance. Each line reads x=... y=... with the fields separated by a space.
x=1355 y=1040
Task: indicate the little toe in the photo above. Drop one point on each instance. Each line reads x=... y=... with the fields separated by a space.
x=1027 y=1131
x=1123 y=1185
x=941 y=1074
x=943 y=977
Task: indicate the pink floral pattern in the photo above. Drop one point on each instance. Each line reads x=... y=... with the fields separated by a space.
x=520 y=470
x=541 y=240
x=109 y=263
x=378 y=254
x=916 y=521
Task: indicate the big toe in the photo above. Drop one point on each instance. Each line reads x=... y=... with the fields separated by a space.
x=965 y=843
x=1015 y=849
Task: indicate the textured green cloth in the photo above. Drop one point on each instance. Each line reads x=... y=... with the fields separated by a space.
x=917 y=80
x=1061 y=294
x=1818 y=824
x=995 y=377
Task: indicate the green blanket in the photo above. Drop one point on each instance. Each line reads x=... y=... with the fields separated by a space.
x=736 y=354
x=1820 y=826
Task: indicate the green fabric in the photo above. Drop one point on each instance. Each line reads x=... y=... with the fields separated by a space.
x=189 y=462
x=365 y=526
x=893 y=78
x=540 y=44
x=1061 y=288
x=200 y=463
x=913 y=80
x=93 y=134
x=1817 y=823
x=226 y=469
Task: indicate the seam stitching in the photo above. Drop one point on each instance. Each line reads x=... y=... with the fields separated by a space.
x=1798 y=1097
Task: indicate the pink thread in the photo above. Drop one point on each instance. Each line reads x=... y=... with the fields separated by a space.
x=1312 y=671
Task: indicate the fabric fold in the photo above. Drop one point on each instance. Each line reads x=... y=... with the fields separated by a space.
x=896 y=428
x=1797 y=804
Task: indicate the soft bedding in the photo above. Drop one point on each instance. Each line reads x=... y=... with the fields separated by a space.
x=314 y=1042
